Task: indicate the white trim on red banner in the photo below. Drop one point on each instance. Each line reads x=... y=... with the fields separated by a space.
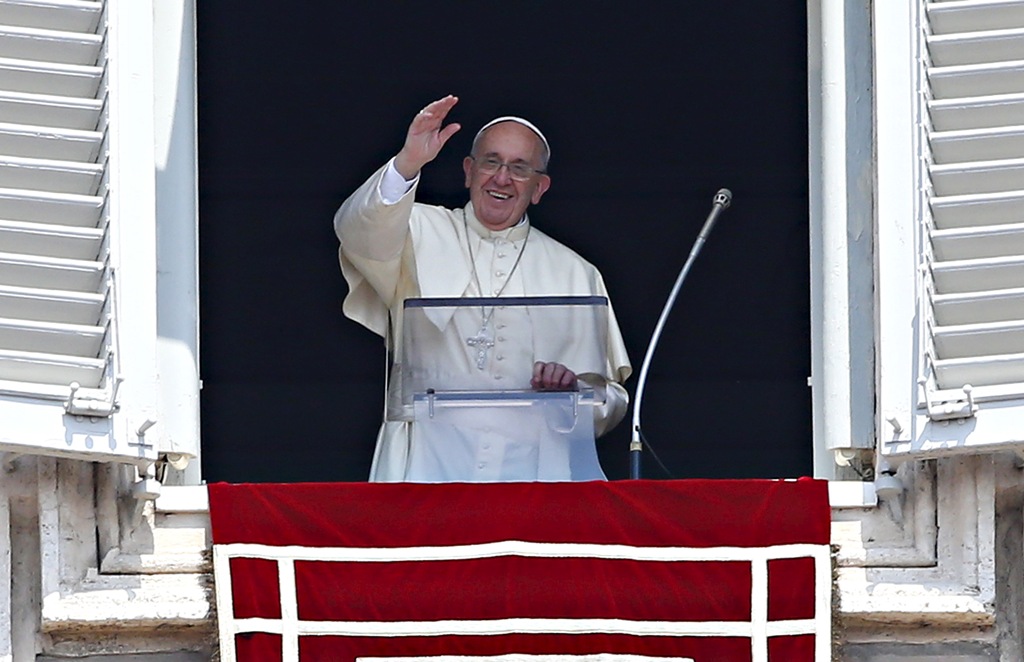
x=523 y=657
x=523 y=626
x=759 y=629
x=519 y=548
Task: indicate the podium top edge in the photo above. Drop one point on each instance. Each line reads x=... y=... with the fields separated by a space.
x=447 y=302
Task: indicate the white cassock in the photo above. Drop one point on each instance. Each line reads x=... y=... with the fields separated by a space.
x=393 y=252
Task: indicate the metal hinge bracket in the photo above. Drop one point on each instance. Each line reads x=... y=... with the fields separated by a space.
x=949 y=407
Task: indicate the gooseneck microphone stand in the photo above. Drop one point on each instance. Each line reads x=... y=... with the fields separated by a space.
x=721 y=201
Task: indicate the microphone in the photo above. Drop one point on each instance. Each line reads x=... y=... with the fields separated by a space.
x=719 y=203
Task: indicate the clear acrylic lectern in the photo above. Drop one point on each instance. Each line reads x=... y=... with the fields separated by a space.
x=465 y=369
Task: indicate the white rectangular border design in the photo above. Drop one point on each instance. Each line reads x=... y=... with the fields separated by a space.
x=759 y=629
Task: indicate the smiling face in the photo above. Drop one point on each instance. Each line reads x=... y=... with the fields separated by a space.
x=498 y=200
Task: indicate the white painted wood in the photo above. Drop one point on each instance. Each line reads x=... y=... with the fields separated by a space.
x=33 y=303
x=977 y=209
x=898 y=203
x=973 y=80
x=48 y=207
x=841 y=202
x=989 y=338
x=74 y=15
x=51 y=240
x=966 y=234
x=975 y=15
x=51 y=337
x=20 y=369
x=50 y=175
x=131 y=205
x=50 y=78
x=40 y=426
x=45 y=45
x=49 y=110
x=79 y=227
x=177 y=209
x=43 y=142
x=977 y=47
x=53 y=199
x=975 y=242
x=967 y=177
x=996 y=143
x=974 y=307
x=976 y=112
x=50 y=272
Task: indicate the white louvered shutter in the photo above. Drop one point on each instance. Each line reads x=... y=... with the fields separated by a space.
x=68 y=333
x=969 y=363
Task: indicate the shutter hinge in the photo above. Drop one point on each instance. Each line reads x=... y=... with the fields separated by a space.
x=100 y=407
x=949 y=407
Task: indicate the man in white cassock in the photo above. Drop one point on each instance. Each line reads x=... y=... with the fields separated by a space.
x=394 y=249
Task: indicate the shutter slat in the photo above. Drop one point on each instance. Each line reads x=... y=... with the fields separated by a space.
x=51 y=337
x=71 y=15
x=987 y=144
x=979 y=242
x=983 y=371
x=47 y=78
x=49 y=240
x=975 y=15
x=49 y=143
x=43 y=45
x=972 y=80
x=994 y=110
x=47 y=207
x=40 y=367
x=977 y=209
x=51 y=273
x=974 y=307
x=979 y=275
x=48 y=110
x=981 y=339
x=965 y=178
x=43 y=305
x=50 y=175
x=977 y=47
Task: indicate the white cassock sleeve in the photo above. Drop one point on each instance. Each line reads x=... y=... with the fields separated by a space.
x=393 y=185
x=373 y=232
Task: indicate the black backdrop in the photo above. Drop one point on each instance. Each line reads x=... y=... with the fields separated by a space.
x=650 y=108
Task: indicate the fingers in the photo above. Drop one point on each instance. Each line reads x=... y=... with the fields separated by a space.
x=447 y=133
x=433 y=114
x=425 y=137
x=552 y=377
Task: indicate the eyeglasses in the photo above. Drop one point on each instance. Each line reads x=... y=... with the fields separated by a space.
x=517 y=171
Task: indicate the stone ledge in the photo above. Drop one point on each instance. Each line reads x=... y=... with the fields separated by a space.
x=135 y=602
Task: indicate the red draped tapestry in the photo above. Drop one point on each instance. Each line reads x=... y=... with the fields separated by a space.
x=711 y=571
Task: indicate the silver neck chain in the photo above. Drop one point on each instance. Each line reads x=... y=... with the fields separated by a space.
x=476 y=278
x=483 y=341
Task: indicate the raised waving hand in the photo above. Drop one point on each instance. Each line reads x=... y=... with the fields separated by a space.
x=426 y=137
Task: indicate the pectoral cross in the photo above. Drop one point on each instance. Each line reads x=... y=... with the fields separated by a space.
x=481 y=342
